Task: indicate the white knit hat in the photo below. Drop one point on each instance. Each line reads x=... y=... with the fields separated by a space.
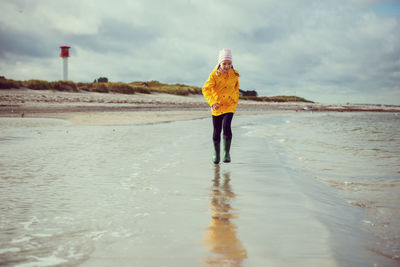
x=224 y=54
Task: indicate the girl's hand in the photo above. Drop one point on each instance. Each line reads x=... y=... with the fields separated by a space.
x=216 y=106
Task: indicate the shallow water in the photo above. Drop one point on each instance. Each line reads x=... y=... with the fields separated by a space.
x=358 y=154
x=302 y=190
x=65 y=187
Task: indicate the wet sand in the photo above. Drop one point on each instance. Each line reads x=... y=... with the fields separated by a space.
x=252 y=212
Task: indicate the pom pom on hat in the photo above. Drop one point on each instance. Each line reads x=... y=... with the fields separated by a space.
x=224 y=54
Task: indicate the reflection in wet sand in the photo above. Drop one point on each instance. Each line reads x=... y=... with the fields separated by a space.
x=225 y=247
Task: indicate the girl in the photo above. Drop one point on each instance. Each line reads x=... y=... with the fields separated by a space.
x=221 y=91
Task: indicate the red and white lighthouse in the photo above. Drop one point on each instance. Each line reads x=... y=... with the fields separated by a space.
x=65 y=55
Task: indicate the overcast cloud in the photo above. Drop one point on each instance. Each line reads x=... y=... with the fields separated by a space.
x=326 y=51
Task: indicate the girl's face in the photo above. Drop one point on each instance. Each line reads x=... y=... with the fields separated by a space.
x=226 y=65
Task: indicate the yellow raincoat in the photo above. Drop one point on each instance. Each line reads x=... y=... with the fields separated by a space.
x=223 y=89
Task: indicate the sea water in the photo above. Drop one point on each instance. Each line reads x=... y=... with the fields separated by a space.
x=68 y=191
x=356 y=154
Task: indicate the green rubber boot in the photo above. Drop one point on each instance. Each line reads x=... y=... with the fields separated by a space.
x=227 y=148
x=216 y=157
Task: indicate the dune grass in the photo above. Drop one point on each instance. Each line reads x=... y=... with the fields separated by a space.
x=276 y=99
x=102 y=87
x=128 y=88
x=174 y=89
x=8 y=84
x=112 y=87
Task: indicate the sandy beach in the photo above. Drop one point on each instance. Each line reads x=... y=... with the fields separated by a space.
x=85 y=108
x=148 y=195
x=97 y=179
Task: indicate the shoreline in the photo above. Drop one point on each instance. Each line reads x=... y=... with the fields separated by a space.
x=83 y=108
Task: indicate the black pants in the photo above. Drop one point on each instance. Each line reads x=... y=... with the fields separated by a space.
x=222 y=122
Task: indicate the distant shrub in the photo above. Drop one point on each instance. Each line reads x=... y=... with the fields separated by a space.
x=290 y=99
x=121 y=88
x=9 y=84
x=98 y=87
x=153 y=83
x=82 y=86
x=276 y=99
x=102 y=80
x=67 y=86
x=195 y=90
x=254 y=98
x=140 y=89
x=92 y=87
x=248 y=93
x=37 y=85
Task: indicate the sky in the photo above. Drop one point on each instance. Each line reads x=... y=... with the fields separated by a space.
x=327 y=51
